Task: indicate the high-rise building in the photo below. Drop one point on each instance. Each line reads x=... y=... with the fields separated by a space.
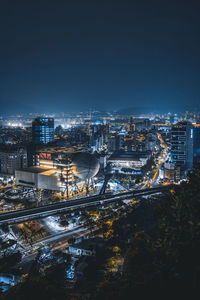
x=131 y=125
x=142 y=124
x=43 y=130
x=115 y=142
x=182 y=145
x=196 y=142
x=12 y=157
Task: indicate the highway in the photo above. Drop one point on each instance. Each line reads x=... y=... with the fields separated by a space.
x=50 y=209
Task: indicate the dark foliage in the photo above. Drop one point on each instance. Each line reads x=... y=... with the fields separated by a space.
x=160 y=243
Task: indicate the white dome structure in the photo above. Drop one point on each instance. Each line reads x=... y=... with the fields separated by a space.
x=84 y=165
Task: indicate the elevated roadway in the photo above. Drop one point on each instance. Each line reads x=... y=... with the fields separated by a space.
x=51 y=209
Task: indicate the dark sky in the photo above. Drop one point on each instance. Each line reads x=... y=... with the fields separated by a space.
x=67 y=55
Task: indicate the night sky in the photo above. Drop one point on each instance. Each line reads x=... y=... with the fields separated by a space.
x=72 y=55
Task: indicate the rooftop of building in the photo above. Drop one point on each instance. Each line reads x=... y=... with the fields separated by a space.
x=181 y=124
x=129 y=155
x=10 y=148
x=39 y=170
x=61 y=149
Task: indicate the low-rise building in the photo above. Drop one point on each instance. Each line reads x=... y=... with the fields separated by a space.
x=134 y=160
x=80 y=251
x=171 y=172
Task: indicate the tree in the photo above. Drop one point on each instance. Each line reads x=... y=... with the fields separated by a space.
x=179 y=232
x=10 y=260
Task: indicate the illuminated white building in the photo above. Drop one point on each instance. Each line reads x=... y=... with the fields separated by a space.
x=134 y=160
x=59 y=168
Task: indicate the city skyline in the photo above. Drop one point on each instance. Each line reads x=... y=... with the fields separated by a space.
x=75 y=189
x=99 y=149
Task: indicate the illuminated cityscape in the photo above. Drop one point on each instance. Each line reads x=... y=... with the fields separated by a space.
x=99 y=150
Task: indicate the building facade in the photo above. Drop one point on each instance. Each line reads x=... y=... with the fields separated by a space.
x=12 y=157
x=182 y=145
x=43 y=130
x=196 y=143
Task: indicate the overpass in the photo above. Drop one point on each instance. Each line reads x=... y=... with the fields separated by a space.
x=56 y=208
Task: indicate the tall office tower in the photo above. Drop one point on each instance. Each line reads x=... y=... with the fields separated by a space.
x=182 y=145
x=131 y=125
x=196 y=143
x=43 y=130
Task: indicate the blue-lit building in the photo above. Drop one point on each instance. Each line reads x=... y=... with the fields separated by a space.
x=43 y=130
x=196 y=142
x=182 y=136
